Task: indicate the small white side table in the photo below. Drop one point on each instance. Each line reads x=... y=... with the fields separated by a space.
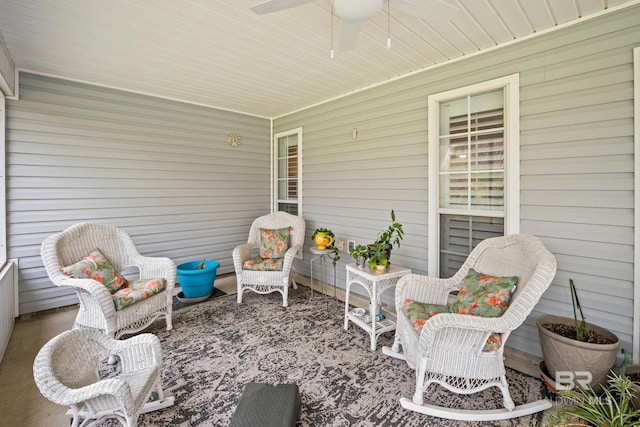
x=375 y=284
x=322 y=255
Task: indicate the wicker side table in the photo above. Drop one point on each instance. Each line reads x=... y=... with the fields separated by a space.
x=375 y=284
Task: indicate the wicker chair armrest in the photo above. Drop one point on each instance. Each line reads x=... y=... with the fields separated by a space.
x=465 y=321
x=460 y=331
x=130 y=351
x=289 y=256
x=155 y=268
x=241 y=253
x=147 y=339
x=98 y=294
x=115 y=387
x=422 y=288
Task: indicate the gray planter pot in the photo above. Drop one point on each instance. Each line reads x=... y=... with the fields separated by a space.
x=566 y=354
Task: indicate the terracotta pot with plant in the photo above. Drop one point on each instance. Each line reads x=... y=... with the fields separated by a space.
x=577 y=348
x=378 y=257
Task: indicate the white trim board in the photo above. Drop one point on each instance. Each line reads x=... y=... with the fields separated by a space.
x=636 y=205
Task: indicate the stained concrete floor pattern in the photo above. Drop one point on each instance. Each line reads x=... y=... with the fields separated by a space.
x=21 y=404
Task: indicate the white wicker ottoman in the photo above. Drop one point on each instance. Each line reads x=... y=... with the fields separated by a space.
x=266 y=405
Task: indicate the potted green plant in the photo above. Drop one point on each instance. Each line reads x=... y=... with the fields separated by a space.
x=378 y=256
x=612 y=407
x=325 y=239
x=393 y=235
x=360 y=253
x=575 y=347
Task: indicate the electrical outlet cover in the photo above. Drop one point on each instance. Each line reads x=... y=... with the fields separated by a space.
x=351 y=244
x=341 y=245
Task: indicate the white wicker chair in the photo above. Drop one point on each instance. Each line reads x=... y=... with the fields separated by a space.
x=97 y=310
x=264 y=282
x=448 y=350
x=66 y=371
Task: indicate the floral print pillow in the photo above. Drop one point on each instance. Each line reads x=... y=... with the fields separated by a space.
x=274 y=243
x=484 y=295
x=96 y=266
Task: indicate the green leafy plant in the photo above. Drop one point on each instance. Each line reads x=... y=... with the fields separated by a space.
x=393 y=235
x=583 y=333
x=323 y=232
x=378 y=254
x=336 y=255
x=613 y=407
x=358 y=251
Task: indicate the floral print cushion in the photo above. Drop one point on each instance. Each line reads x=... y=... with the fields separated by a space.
x=96 y=266
x=493 y=343
x=274 y=243
x=260 y=264
x=136 y=291
x=484 y=295
x=419 y=312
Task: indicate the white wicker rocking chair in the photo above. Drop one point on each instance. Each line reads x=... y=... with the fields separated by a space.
x=264 y=282
x=449 y=349
x=97 y=310
x=66 y=371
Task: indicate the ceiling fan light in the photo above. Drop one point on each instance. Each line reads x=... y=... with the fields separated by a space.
x=357 y=10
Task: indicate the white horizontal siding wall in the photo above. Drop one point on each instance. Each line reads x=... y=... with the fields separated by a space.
x=160 y=169
x=577 y=177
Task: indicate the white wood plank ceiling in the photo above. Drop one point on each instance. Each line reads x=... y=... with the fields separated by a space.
x=221 y=54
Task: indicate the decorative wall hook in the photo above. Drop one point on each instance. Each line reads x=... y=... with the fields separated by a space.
x=233 y=139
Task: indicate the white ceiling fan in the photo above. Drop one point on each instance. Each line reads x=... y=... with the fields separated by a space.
x=354 y=12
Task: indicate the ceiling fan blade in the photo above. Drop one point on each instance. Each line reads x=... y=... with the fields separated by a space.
x=349 y=34
x=278 y=5
x=429 y=10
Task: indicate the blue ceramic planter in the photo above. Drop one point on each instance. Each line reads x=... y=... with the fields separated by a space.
x=197 y=283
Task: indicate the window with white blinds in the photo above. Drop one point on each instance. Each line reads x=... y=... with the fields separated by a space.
x=472 y=158
x=472 y=138
x=288 y=171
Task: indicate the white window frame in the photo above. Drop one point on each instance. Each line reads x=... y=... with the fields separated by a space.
x=3 y=183
x=275 y=199
x=511 y=86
